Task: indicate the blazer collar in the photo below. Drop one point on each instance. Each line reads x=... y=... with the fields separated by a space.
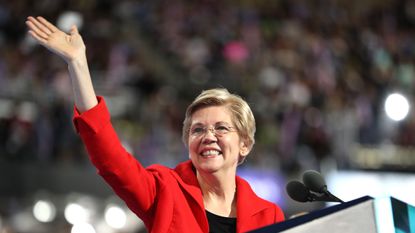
x=187 y=173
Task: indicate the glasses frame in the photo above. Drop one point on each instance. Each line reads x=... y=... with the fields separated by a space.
x=219 y=130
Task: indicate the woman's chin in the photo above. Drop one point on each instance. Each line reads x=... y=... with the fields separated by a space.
x=211 y=165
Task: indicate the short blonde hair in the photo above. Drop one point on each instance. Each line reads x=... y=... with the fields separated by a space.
x=242 y=115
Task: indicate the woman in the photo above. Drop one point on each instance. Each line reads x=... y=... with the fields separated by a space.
x=200 y=195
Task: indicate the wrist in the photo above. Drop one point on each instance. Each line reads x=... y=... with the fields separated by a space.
x=77 y=61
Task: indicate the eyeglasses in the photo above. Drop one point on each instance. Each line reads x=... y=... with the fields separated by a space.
x=217 y=130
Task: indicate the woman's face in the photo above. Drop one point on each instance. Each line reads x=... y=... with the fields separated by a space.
x=214 y=143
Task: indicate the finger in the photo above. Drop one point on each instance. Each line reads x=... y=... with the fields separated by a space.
x=29 y=23
x=36 y=27
x=40 y=26
x=35 y=30
x=38 y=38
x=50 y=26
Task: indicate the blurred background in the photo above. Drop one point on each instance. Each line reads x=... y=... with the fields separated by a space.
x=331 y=84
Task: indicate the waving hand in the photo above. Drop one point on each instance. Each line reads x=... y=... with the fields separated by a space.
x=72 y=49
x=68 y=46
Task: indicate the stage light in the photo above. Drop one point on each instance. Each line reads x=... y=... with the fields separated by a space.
x=396 y=107
x=44 y=211
x=69 y=18
x=75 y=213
x=115 y=217
x=83 y=228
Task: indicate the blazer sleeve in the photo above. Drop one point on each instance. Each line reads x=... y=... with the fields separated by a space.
x=127 y=177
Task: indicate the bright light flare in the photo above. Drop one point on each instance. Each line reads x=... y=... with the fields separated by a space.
x=115 y=217
x=76 y=214
x=44 y=211
x=396 y=107
x=83 y=228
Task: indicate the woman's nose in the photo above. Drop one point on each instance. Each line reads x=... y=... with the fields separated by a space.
x=209 y=136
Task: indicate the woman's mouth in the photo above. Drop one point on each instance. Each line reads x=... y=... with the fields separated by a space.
x=210 y=153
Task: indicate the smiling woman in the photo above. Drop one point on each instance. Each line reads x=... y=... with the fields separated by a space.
x=200 y=195
x=242 y=117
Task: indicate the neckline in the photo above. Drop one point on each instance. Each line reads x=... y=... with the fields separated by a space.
x=219 y=216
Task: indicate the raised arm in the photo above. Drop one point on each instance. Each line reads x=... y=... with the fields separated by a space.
x=71 y=48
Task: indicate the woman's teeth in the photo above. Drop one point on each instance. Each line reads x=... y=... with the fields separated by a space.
x=210 y=152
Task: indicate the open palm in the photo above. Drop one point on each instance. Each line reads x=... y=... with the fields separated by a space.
x=68 y=46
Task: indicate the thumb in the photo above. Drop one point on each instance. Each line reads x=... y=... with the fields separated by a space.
x=74 y=30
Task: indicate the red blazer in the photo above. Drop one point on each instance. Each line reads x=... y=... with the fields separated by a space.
x=167 y=200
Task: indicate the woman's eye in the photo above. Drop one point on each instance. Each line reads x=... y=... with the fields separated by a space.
x=222 y=128
x=197 y=130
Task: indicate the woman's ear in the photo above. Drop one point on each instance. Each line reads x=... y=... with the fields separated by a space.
x=244 y=149
x=243 y=152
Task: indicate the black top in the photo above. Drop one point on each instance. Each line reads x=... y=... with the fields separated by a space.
x=219 y=224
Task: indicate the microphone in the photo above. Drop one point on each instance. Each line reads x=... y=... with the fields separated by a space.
x=299 y=192
x=316 y=183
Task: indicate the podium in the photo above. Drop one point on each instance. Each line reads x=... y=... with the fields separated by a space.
x=365 y=214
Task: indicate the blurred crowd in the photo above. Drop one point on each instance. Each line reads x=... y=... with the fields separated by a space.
x=315 y=73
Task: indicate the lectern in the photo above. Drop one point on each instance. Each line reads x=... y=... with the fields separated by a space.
x=365 y=214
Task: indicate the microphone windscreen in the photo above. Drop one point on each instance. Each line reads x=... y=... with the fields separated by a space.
x=314 y=181
x=297 y=191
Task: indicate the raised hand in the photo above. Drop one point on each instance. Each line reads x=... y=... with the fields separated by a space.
x=68 y=46
x=72 y=49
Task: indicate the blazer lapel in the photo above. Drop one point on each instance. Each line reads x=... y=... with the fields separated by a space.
x=248 y=204
x=189 y=184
